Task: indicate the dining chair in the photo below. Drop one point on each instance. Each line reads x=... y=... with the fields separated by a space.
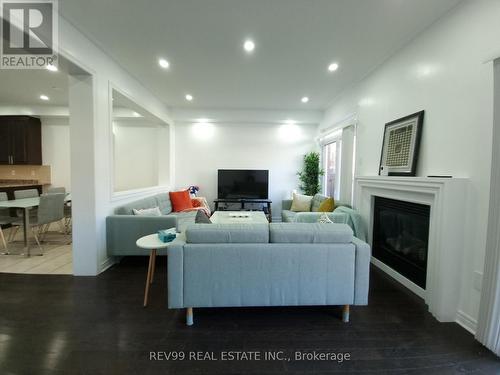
x=66 y=222
x=23 y=194
x=5 y=219
x=56 y=190
x=50 y=210
x=27 y=193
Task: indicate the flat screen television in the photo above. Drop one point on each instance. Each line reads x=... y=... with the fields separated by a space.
x=243 y=184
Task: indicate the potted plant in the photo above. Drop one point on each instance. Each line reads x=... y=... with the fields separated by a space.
x=309 y=177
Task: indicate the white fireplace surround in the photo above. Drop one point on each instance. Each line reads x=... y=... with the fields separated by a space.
x=446 y=197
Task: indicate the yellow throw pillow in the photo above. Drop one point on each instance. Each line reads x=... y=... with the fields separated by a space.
x=327 y=205
x=301 y=203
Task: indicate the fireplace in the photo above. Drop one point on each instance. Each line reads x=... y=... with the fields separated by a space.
x=401 y=237
x=443 y=199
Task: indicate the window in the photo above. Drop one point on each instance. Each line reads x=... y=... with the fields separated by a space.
x=338 y=148
x=331 y=167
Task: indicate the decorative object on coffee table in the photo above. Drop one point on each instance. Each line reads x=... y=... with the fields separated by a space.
x=238 y=217
x=309 y=177
x=401 y=146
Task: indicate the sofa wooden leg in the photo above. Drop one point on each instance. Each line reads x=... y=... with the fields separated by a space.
x=189 y=316
x=345 y=313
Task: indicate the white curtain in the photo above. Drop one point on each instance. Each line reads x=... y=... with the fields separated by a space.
x=347 y=164
x=488 y=330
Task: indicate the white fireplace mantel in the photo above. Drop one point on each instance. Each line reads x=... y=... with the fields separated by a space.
x=447 y=198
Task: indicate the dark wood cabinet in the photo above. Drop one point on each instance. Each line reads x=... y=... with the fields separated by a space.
x=20 y=140
x=4 y=144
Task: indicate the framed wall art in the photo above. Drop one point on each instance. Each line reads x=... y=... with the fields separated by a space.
x=401 y=146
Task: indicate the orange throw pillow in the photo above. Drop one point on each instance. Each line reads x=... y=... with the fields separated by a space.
x=180 y=200
x=196 y=203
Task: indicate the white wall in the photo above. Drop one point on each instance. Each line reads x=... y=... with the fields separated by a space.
x=202 y=149
x=443 y=71
x=91 y=139
x=56 y=150
x=135 y=156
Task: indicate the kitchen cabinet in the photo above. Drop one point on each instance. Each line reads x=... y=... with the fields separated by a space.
x=20 y=140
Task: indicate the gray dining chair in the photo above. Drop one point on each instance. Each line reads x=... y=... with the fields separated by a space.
x=56 y=190
x=23 y=194
x=50 y=210
x=27 y=193
x=5 y=219
x=66 y=225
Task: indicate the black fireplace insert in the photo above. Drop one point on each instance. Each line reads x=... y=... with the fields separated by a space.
x=401 y=237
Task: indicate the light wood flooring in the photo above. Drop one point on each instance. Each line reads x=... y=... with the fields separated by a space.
x=57 y=256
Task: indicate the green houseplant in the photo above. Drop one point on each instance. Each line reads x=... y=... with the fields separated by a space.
x=309 y=177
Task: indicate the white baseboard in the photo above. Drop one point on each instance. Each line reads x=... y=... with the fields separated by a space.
x=398 y=277
x=107 y=263
x=466 y=321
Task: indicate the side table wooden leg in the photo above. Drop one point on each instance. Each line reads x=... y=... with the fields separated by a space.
x=148 y=279
x=153 y=267
x=189 y=316
x=345 y=313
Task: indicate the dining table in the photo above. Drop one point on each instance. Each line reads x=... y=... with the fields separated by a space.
x=26 y=204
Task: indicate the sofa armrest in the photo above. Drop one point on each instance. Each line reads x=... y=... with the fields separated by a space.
x=122 y=231
x=175 y=273
x=361 y=272
x=286 y=204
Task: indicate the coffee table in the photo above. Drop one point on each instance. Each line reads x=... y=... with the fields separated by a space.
x=235 y=217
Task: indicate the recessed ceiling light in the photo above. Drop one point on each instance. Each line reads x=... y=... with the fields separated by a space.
x=305 y=99
x=189 y=97
x=290 y=122
x=202 y=120
x=44 y=97
x=249 y=45
x=333 y=67
x=135 y=114
x=52 y=68
x=164 y=63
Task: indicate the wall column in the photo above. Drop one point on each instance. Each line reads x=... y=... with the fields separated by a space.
x=82 y=151
x=488 y=330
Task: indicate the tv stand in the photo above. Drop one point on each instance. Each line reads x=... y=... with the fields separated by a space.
x=245 y=201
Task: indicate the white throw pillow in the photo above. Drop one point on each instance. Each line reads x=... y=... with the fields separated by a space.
x=301 y=203
x=155 y=211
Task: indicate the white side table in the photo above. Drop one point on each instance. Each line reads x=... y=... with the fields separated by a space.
x=151 y=242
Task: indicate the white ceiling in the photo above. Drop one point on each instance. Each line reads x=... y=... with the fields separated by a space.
x=24 y=87
x=295 y=42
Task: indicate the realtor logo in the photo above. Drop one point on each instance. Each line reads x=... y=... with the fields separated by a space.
x=29 y=34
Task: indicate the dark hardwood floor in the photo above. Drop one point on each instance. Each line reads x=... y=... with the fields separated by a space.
x=97 y=325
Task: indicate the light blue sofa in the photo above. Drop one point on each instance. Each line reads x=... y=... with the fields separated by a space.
x=124 y=228
x=343 y=214
x=279 y=264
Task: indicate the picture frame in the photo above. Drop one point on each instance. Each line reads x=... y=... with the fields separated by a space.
x=401 y=144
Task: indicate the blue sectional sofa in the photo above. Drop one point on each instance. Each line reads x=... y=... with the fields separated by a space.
x=343 y=214
x=124 y=228
x=279 y=264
